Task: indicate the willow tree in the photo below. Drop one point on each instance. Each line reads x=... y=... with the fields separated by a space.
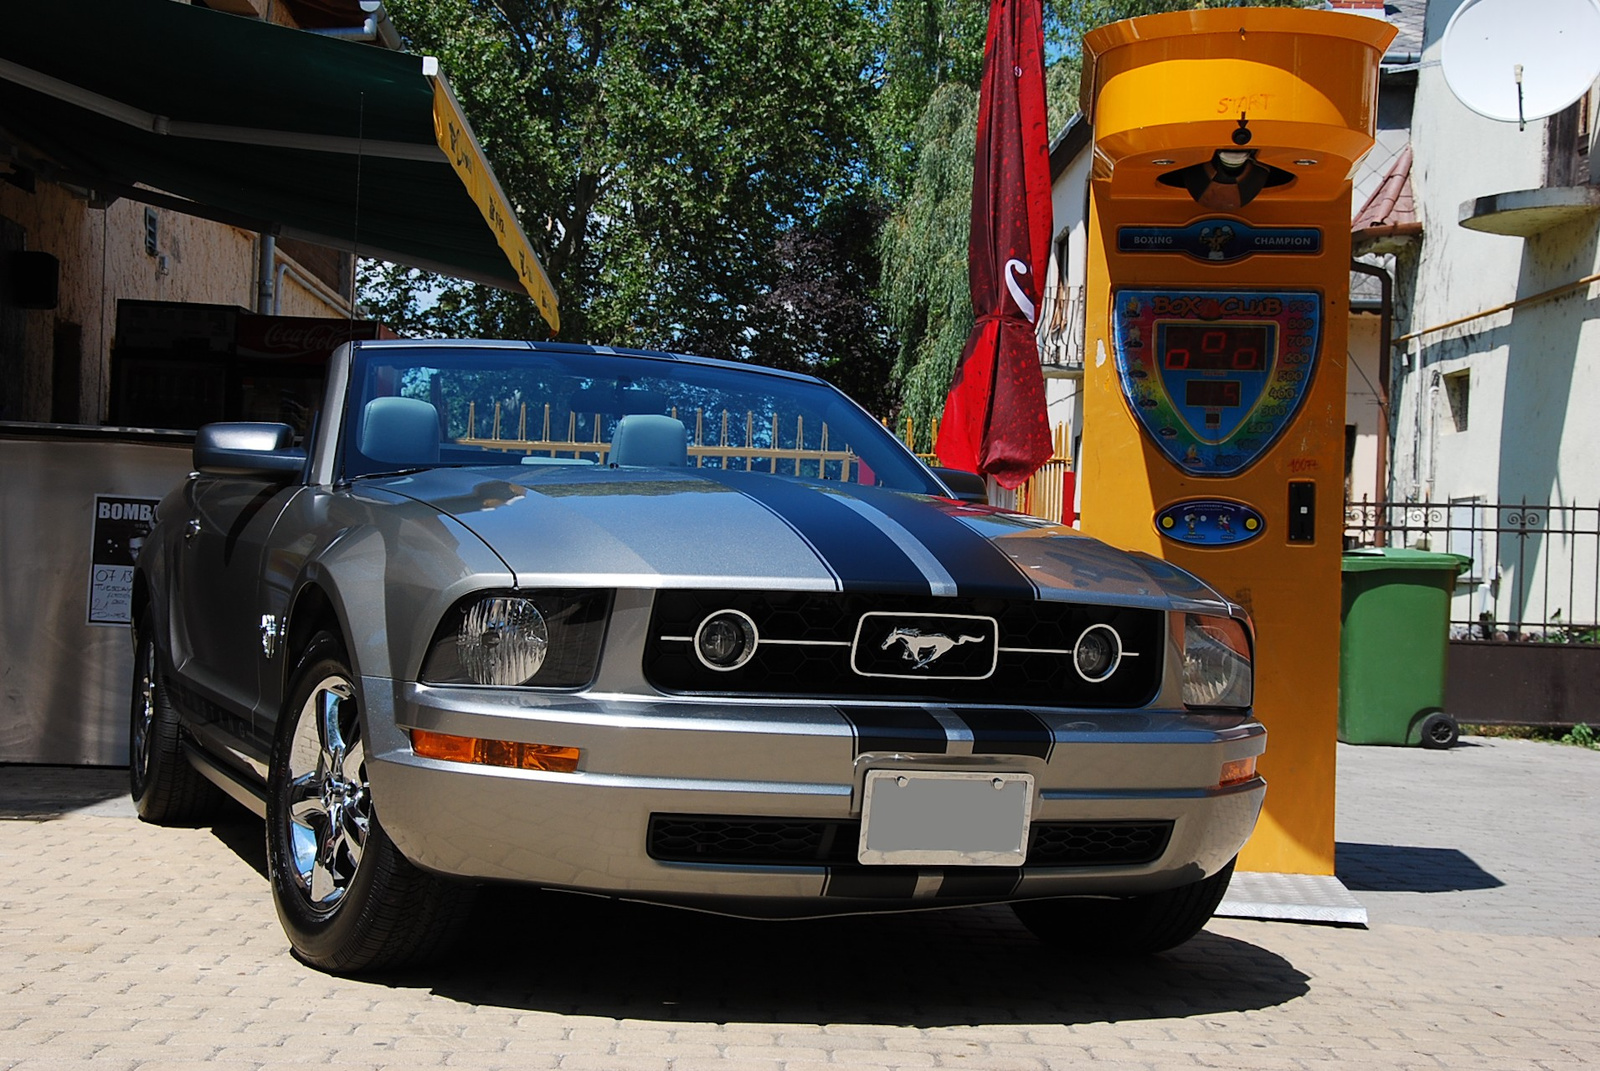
x=924 y=251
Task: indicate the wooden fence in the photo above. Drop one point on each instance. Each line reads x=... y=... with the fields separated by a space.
x=1048 y=493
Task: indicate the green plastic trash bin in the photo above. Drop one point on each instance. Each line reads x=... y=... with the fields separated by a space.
x=1396 y=623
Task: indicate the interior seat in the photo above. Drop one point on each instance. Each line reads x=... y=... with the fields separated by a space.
x=650 y=439
x=400 y=431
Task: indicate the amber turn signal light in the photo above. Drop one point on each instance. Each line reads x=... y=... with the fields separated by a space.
x=1237 y=771
x=509 y=753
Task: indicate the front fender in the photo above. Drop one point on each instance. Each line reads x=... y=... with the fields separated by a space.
x=384 y=569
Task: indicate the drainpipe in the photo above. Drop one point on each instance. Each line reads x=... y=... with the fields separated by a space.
x=375 y=27
x=316 y=286
x=1385 y=331
x=266 y=250
x=367 y=31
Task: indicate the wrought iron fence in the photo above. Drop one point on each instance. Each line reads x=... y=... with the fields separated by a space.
x=721 y=440
x=1535 y=567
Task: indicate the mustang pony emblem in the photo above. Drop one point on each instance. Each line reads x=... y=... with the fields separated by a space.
x=922 y=649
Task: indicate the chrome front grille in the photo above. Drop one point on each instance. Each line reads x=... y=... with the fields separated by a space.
x=906 y=648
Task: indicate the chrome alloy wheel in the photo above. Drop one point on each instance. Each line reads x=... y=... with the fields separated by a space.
x=329 y=805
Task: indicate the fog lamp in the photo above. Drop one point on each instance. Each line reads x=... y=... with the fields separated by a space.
x=725 y=640
x=1097 y=653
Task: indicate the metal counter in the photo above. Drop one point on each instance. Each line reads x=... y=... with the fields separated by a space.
x=75 y=504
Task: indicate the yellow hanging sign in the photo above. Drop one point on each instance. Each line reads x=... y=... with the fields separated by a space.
x=460 y=145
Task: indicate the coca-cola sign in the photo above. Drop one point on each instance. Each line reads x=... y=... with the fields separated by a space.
x=296 y=338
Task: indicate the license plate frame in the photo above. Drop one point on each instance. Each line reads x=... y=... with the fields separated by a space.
x=945 y=818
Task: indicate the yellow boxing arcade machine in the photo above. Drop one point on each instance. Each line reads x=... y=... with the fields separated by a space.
x=1218 y=282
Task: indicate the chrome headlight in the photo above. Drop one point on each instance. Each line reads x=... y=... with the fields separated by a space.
x=502 y=641
x=542 y=639
x=1217 y=668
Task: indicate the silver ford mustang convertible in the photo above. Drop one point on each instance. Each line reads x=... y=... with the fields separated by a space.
x=671 y=630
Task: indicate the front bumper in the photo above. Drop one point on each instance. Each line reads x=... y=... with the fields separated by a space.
x=802 y=763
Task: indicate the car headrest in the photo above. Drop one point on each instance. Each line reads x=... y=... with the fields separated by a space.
x=650 y=439
x=400 y=431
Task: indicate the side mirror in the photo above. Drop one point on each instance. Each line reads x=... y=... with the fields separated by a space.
x=965 y=486
x=239 y=448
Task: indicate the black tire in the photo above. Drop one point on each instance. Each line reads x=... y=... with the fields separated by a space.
x=166 y=789
x=348 y=900
x=1134 y=926
x=1439 y=731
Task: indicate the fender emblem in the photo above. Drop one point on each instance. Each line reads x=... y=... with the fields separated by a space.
x=270 y=632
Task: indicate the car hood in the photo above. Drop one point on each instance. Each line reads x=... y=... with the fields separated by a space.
x=561 y=525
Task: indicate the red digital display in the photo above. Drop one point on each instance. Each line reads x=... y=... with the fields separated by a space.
x=1215 y=347
x=1211 y=393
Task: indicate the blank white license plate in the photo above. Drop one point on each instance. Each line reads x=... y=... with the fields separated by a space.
x=945 y=819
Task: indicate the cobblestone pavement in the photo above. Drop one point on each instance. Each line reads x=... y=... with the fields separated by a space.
x=123 y=945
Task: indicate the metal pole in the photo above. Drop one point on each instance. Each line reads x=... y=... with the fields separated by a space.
x=1385 y=329
x=266 y=249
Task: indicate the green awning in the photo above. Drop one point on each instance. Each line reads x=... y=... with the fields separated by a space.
x=274 y=129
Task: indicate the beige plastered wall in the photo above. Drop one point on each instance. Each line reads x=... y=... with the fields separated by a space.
x=1362 y=381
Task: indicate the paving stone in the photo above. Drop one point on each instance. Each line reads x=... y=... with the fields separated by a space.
x=128 y=946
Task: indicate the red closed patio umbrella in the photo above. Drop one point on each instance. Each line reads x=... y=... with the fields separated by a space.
x=994 y=419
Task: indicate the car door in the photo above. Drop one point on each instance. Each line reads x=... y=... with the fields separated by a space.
x=217 y=581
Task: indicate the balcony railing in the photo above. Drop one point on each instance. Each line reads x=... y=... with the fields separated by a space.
x=1061 y=336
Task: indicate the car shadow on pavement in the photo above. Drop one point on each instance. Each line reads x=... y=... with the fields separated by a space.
x=244 y=835
x=1405 y=868
x=42 y=793
x=583 y=956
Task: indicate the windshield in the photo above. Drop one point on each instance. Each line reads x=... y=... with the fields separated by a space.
x=424 y=407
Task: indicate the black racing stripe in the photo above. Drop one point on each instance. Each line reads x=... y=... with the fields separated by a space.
x=871 y=883
x=978 y=882
x=859 y=552
x=978 y=567
x=906 y=729
x=1007 y=732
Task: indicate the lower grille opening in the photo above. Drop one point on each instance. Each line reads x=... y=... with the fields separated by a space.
x=1097 y=843
x=690 y=838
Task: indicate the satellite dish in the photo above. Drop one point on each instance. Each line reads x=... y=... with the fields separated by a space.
x=1515 y=60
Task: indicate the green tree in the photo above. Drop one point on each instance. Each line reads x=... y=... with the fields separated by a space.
x=821 y=315
x=656 y=152
x=923 y=45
